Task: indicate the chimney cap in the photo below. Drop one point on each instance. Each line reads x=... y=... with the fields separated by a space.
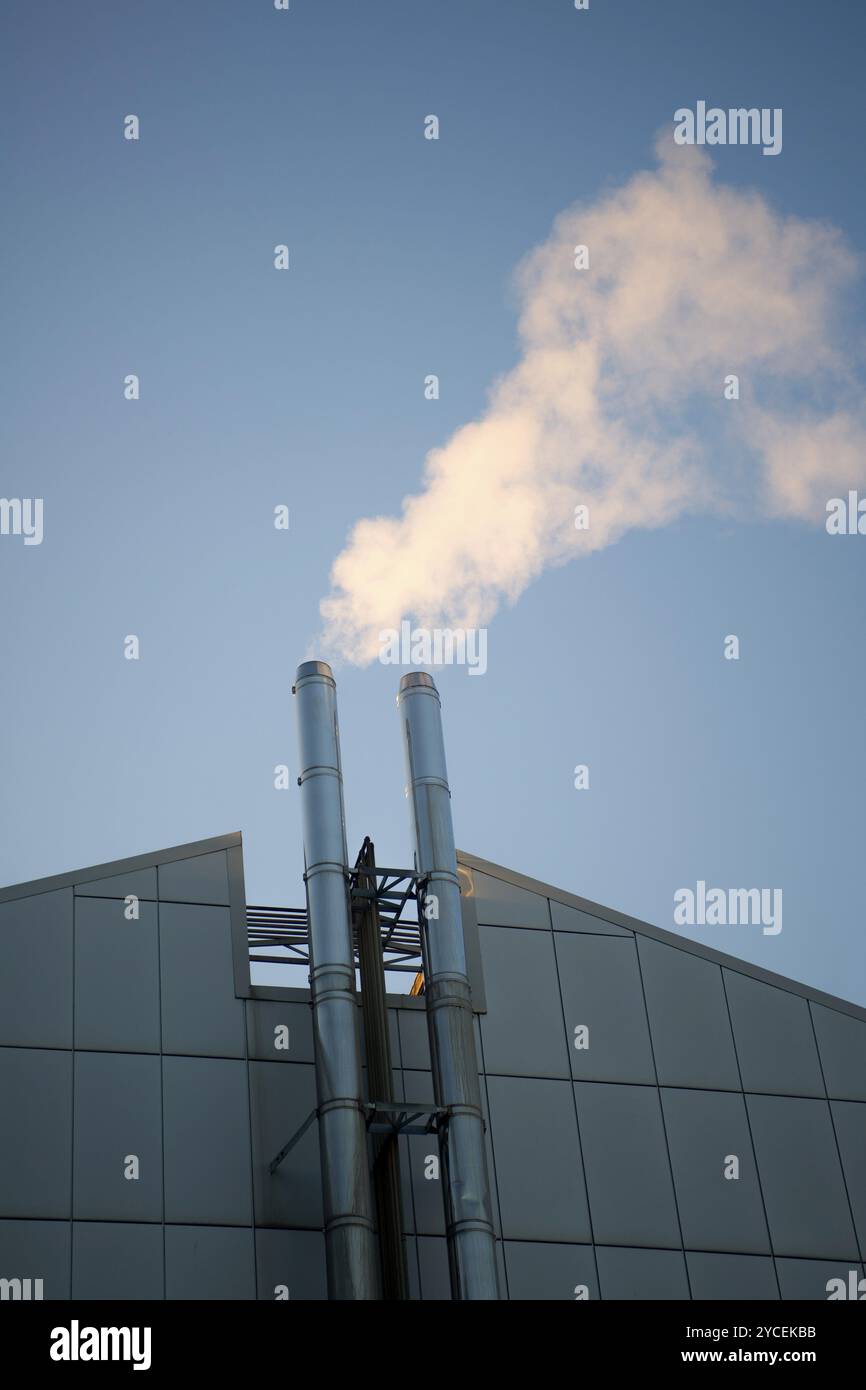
x=417 y=678
x=314 y=668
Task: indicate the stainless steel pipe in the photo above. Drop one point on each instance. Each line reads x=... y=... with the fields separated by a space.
x=350 y=1242
x=471 y=1240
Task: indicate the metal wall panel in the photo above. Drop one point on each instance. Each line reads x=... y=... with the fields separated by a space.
x=116 y=977
x=523 y=1032
x=117 y=1116
x=688 y=1014
x=500 y=904
x=705 y=1129
x=849 y=1120
x=538 y=1171
x=565 y=918
x=731 y=1277
x=550 y=1272
x=641 y=1274
x=601 y=988
x=842 y=1045
x=433 y=1265
x=808 y=1279
x=35 y=1170
x=414 y=1040
x=419 y=1164
x=203 y=879
x=291 y=1265
x=141 y=883
x=631 y=1195
x=207 y=1141
x=271 y=1024
x=762 y=1015
x=117 y=1261
x=36 y=971
x=200 y=1014
x=282 y=1098
x=807 y=1206
x=36 y=1250
x=209 y=1262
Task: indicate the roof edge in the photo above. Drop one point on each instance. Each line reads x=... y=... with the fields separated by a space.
x=120 y=866
x=669 y=938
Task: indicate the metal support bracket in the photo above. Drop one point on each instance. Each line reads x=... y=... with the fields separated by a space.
x=382 y=1117
x=404 y=1117
x=296 y=1137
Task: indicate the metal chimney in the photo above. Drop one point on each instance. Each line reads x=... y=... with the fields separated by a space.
x=350 y=1247
x=471 y=1242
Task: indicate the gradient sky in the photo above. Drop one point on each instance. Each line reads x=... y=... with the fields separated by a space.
x=306 y=388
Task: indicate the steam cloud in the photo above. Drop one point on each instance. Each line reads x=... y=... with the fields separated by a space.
x=617 y=403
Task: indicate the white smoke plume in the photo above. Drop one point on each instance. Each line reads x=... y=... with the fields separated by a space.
x=617 y=403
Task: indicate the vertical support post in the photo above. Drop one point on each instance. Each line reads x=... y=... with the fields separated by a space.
x=350 y=1243
x=386 y=1151
x=471 y=1241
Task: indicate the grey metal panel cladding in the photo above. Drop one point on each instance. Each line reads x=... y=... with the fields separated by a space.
x=281 y=1099
x=203 y=879
x=433 y=1264
x=567 y=918
x=35 y=1170
x=414 y=1040
x=807 y=1279
x=849 y=1119
x=601 y=989
x=538 y=1171
x=731 y=1277
x=424 y=1192
x=641 y=1274
x=704 y=1129
x=628 y=1176
x=801 y=1178
x=522 y=1032
x=36 y=970
x=688 y=1013
x=267 y=1021
x=206 y=1141
x=140 y=882
x=293 y=1263
x=113 y=1260
x=117 y=1114
x=411 y=1247
x=549 y=1271
x=406 y=1195
x=423 y=1208
x=36 y=1250
x=200 y=1014
x=116 y=977
x=762 y=1017
x=209 y=1262
x=842 y=1045
x=500 y=904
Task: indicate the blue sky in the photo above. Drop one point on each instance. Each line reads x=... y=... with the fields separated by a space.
x=306 y=388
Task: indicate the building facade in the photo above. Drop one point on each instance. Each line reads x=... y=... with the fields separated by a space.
x=663 y=1121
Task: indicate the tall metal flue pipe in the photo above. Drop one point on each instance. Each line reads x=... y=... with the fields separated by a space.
x=471 y=1242
x=350 y=1246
